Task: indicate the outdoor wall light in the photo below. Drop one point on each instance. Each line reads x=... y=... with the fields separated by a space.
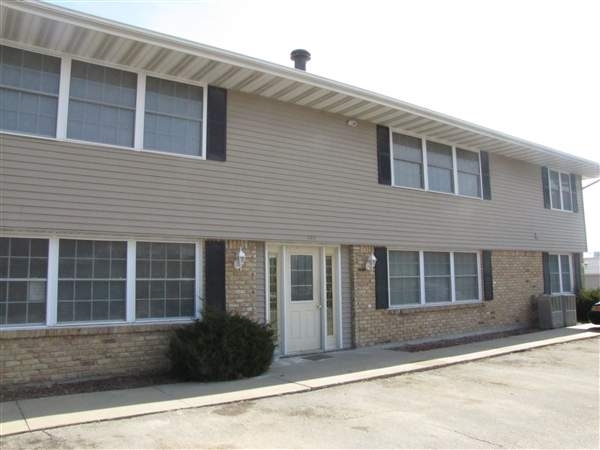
x=371 y=261
x=240 y=259
x=352 y=123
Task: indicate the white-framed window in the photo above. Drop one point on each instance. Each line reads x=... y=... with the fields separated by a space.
x=561 y=193
x=66 y=282
x=29 y=85
x=420 y=163
x=52 y=95
x=23 y=275
x=420 y=278
x=561 y=274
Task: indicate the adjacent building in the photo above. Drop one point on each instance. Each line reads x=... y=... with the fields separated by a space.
x=145 y=178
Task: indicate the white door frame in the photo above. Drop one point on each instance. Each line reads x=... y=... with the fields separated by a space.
x=282 y=251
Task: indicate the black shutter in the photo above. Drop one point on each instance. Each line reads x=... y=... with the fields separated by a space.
x=546 y=272
x=216 y=124
x=546 y=187
x=381 y=278
x=577 y=272
x=214 y=274
x=384 y=170
x=575 y=182
x=488 y=280
x=485 y=175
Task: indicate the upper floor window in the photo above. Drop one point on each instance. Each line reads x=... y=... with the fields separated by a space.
x=560 y=274
x=439 y=167
x=101 y=104
x=561 y=196
x=29 y=84
x=408 y=161
x=63 y=98
x=469 y=173
x=173 y=120
x=434 y=166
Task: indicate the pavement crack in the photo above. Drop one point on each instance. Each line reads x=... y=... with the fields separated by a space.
x=477 y=439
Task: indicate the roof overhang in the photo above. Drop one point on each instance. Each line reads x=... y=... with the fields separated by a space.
x=62 y=30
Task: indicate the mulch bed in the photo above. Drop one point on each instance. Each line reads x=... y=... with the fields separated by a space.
x=80 y=387
x=442 y=343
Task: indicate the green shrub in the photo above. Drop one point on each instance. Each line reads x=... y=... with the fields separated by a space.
x=221 y=347
x=585 y=300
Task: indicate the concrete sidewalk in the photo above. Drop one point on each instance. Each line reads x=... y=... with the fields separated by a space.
x=288 y=375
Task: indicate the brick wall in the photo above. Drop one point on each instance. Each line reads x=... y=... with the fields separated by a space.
x=64 y=354
x=517 y=276
x=240 y=284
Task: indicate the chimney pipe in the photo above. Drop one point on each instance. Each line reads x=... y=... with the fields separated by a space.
x=300 y=57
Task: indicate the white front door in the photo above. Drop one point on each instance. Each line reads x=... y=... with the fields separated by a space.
x=303 y=302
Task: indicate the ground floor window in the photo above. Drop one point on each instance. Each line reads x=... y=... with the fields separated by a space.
x=560 y=274
x=60 y=281
x=420 y=277
x=23 y=272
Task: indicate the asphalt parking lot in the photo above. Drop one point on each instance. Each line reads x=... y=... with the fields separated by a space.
x=543 y=398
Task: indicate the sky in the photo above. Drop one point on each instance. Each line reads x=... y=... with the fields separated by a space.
x=527 y=68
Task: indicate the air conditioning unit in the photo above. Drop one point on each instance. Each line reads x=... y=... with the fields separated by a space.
x=569 y=307
x=550 y=311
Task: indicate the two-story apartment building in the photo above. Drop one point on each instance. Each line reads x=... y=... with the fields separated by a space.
x=145 y=178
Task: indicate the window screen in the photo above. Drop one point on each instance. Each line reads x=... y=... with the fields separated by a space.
x=173 y=119
x=28 y=91
x=23 y=272
x=439 y=167
x=565 y=185
x=91 y=280
x=165 y=280
x=101 y=104
x=466 y=276
x=437 y=277
x=408 y=161
x=555 y=189
x=565 y=273
x=404 y=275
x=555 y=273
x=469 y=181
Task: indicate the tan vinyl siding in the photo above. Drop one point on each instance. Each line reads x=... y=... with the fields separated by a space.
x=292 y=175
x=346 y=297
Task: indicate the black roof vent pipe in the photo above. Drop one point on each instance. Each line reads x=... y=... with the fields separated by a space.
x=300 y=57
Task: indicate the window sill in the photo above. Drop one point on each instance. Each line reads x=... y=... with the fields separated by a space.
x=101 y=145
x=431 y=308
x=41 y=331
x=450 y=194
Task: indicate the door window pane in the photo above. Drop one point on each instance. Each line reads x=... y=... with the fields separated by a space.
x=23 y=272
x=28 y=91
x=329 y=293
x=404 y=273
x=437 y=277
x=439 y=167
x=466 y=276
x=101 y=104
x=91 y=280
x=301 y=277
x=408 y=161
x=273 y=294
x=468 y=173
x=165 y=280
x=173 y=117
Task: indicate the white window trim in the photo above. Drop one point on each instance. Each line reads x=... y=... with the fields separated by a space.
x=560 y=273
x=63 y=102
x=424 y=139
x=52 y=284
x=560 y=190
x=423 y=303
